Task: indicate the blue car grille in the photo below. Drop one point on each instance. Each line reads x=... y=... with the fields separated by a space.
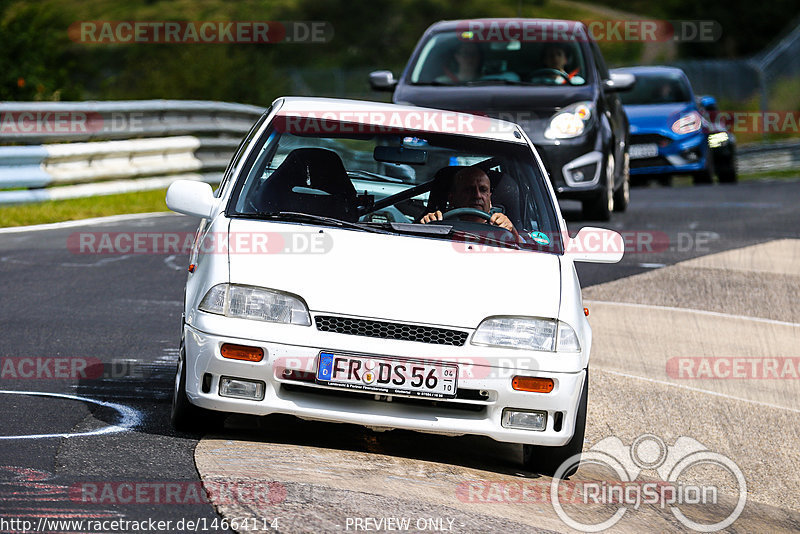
x=658 y=161
x=642 y=139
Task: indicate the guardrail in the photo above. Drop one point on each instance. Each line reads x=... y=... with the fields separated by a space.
x=146 y=144
x=117 y=146
x=779 y=156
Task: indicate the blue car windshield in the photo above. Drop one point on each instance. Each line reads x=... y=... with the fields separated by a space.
x=657 y=89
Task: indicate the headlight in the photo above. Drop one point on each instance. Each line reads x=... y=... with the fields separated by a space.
x=526 y=333
x=570 y=121
x=717 y=140
x=259 y=304
x=688 y=123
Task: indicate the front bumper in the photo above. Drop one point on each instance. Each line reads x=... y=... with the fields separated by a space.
x=676 y=154
x=484 y=391
x=575 y=165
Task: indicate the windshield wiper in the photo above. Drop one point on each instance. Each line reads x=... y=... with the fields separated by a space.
x=295 y=216
x=443 y=230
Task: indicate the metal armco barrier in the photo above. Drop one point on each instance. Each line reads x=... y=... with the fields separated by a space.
x=116 y=146
x=52 y=148
x=779 y=156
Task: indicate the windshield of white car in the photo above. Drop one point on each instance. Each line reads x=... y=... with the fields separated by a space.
x=658 y=88
x=450 y=58
x=388 y=180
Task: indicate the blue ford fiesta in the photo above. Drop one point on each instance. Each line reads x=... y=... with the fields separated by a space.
x=668 y=134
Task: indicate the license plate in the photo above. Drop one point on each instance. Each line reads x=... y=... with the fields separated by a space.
x=388 y=375
x=649 y=150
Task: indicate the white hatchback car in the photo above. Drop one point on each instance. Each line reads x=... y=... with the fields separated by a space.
x=389 y=266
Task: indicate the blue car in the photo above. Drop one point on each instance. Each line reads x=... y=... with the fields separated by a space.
x=668 y=134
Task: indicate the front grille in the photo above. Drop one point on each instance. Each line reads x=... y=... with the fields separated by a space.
x=658 y=161
x=642 y=139
x=387 y=330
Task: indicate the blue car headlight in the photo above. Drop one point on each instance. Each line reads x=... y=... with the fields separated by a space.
x=688 y=123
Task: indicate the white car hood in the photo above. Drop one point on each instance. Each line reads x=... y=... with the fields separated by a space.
x=400 y=278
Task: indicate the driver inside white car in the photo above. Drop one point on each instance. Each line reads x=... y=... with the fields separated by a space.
x=471 y=188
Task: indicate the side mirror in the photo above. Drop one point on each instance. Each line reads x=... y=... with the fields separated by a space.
x=596 y=245
x=708 y=102
x=382 y=80
x=191 y=198
x=619 y=81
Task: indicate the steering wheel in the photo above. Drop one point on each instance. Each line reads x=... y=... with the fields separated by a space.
x=460 y=212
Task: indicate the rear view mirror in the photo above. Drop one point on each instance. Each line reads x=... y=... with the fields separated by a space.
x=191 y=198
x=399 y=154
x=382 y=80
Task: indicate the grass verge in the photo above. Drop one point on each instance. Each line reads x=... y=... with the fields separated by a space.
x=82 y=208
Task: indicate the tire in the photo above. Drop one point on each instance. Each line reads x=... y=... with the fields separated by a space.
x=547 y=460
x=622 y=196
x=726 y=173
x=706 y=176
x=600 y=207
x=185 y=416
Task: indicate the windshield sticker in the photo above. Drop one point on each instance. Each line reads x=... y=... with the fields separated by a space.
x=540 y=238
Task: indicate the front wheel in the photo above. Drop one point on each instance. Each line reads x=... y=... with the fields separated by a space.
x=185 y=416
x=706 y=176
x=547 y=460
x=622 y=196
x=726 y=172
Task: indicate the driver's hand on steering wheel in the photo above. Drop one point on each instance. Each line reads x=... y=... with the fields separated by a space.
x=498 y=219
x=435 y=216
x=501 y=220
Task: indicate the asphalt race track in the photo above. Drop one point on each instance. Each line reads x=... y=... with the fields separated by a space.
x=88 y=355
